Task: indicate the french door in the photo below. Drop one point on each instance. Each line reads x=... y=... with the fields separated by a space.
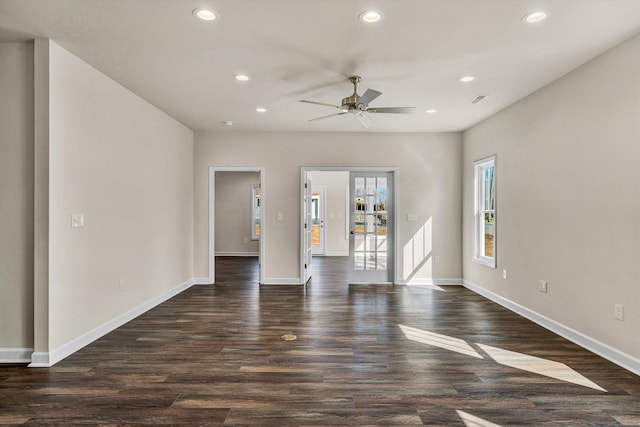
x=371 y=227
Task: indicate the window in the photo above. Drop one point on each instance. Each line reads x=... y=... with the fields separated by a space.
x=485 y=211
x=255 y=211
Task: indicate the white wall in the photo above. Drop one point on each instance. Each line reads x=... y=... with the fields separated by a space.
x=16 y=199
x=568 y=199
x=336 y=184
x=127 y=167
x=430 y=186
x=233 y=213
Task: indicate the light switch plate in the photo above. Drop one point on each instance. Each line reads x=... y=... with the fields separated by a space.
x=412 y=217
x=542 y=285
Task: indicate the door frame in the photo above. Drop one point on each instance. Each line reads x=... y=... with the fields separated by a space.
x=396 y=197
x=212 y=216
x=307 y=237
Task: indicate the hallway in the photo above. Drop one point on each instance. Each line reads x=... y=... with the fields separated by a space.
x=364 y=355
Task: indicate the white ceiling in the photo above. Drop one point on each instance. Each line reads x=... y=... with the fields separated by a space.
x=306 y=49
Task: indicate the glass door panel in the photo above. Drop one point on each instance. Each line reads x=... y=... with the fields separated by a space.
x=370 y=247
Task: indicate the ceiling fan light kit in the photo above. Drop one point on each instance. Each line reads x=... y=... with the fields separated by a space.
x=359 y=105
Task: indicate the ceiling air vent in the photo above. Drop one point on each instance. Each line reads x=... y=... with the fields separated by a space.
x=478 y=99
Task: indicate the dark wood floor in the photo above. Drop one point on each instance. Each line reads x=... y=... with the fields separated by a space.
x=365 y=355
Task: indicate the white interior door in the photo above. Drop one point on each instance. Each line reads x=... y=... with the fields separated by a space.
x=318 y=215
x=371 y=221
x=308 y=232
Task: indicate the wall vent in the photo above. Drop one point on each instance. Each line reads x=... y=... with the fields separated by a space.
x=478 y=99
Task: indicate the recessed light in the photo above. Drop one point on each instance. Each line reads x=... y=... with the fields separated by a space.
x=431 y=111
x=241 y=77
x=466 y=79
x=205 y=14
x=370 y=16
x=261 y=110
x=534 y=17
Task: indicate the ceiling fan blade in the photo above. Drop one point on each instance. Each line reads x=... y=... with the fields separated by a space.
x=321 y=103
x=366 y=98
x=364 y=120
x=395 y=110
x=315 y=88
x=325 y=117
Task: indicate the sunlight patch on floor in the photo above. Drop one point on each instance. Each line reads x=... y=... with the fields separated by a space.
x=473 y=421
x=539 y=366
x=438 y=340
x=524 y=362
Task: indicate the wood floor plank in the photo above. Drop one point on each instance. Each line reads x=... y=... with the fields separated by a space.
x=364 y=355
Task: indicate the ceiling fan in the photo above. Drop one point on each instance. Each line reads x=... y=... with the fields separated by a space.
x=359 y=105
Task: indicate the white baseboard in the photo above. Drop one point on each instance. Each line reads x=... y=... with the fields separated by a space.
x=40 y=360
x=618 y=357
x=201 y=281
x=447 y=282
x=253 y=254
x=87 y=338
x=327 y=253
x=15 y=355
x=427 y=281
x=281 y=281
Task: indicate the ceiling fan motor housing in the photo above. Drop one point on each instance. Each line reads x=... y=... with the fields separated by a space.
x=350 y=102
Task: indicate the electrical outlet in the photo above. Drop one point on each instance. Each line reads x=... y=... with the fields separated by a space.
x=504 y=274
x=543 y=286
x=77 y=220
x=618 y=311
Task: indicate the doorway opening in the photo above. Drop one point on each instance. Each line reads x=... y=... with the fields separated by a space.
x=318 y=217
x=235 y=234
x=364 y=224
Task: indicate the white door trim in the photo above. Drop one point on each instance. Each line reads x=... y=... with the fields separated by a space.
x=306 y=226
x=212 y=220
x=396 y=209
